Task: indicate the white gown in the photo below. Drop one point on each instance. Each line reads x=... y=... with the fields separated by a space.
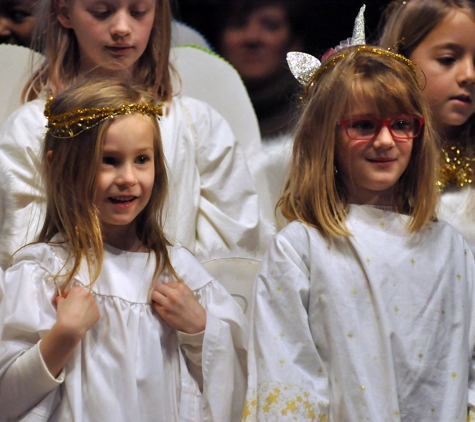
x=457 y=207
x=379 y=326
x=213 y=203
x=129 y=366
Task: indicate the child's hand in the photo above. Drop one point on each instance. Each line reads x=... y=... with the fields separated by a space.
x=77 y=312
x=178 y=306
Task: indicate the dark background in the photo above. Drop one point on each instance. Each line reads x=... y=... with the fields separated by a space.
x=327 y=22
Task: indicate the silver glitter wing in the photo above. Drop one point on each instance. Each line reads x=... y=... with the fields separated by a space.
x=302 y=66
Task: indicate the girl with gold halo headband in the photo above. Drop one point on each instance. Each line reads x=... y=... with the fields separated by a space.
x=356 y=263
x=438 y=35
x=124 y=296
x=213 y=200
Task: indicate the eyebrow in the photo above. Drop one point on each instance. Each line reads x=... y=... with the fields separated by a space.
x=449 y=46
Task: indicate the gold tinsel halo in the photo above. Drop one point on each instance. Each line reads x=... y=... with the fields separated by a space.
x=72 y=123
x=456 y=167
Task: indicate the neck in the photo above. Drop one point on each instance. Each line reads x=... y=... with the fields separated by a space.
x=122 y=237
x=451 y=134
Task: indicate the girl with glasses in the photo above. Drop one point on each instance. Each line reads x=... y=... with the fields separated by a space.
x=363 y=305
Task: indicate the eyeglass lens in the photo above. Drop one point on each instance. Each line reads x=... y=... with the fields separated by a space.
x=405 y=127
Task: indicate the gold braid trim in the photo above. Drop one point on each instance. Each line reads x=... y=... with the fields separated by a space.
x=375 y=50
x=72 y=123
x=456 y=167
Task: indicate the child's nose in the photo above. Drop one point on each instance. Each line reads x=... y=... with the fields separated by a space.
x=384 y=139
x=121 y=24
x=126 y=176
x=467 y=75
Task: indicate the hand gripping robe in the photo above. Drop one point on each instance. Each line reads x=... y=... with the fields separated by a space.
x=131 y=365
x=379 y=326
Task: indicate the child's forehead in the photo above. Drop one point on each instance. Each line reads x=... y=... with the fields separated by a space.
x=366 y=100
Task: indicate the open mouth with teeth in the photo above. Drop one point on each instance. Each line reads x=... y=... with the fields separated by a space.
x=122 y=199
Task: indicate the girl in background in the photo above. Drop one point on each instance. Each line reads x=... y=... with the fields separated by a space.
x=81 y=340
x=212 y=197
x=363 y=305
x=439 y=36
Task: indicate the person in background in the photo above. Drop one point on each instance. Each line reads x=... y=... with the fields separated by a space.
x=17 y=21
x=255 y=36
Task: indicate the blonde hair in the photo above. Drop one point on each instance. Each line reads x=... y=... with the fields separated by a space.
x=407 y=24
x=314 y=192
x=70 y=177
x=60 y=68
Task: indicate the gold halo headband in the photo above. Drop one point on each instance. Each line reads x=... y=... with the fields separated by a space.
x=375 y=50
x=72 y=123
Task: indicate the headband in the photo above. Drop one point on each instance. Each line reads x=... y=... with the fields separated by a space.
x=72 y=123
x=307 y=68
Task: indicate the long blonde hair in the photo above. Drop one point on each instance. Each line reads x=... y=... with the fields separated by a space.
x=70 y=177
x=314 y=193
x=60 y=68
x=407 y=23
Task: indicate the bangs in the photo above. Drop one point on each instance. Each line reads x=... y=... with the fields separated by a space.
x=384 y=93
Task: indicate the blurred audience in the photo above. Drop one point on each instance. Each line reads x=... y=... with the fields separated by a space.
x=255 y=36
x=17 y=21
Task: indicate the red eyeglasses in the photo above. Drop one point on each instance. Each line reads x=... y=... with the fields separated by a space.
x=401 y=128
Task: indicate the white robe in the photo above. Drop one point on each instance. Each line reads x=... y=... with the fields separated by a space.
x=457 y=207
x=212 y=200
x=379 y=326
x=129 y=366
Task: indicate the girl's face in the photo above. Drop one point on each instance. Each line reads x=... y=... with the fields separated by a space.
x=112 y=34
x=125 y=180
x=257 y=46
x=370 y=168
x=447 y=57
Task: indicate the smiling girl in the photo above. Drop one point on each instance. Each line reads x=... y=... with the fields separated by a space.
x=212 y=200
x=104 y=319
x=439 y=36
x=364 y=304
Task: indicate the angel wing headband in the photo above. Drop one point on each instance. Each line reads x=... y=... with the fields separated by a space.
x=307 y=68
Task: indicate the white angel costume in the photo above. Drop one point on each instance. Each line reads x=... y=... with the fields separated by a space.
x=457 y=207
x=212 y=200
x=378 y=326
x=131 y=365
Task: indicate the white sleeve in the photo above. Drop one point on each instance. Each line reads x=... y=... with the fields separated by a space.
x=29 y=314
x=224 y=352
x=21 y=138
x=286 y=373
x=470 y=270
x=228 y=212
x=224 y=346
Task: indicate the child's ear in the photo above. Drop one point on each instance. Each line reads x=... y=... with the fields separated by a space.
x=62 y=10
x=49 y=157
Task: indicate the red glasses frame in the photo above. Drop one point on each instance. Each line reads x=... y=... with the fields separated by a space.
x=379 y=123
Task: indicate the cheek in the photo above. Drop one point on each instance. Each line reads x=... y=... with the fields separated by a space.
x=279 y=41
x=231 y=39
x=102 y=183
x=149 y=181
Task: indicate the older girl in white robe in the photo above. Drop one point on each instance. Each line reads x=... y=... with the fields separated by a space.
x=364 y=304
